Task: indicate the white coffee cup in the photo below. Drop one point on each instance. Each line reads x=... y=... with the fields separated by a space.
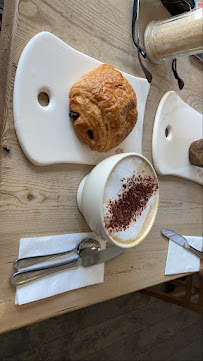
x=90 y=199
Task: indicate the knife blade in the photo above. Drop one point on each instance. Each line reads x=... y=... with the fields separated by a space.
x=176 y=237
x=182 y=241
x=105 y=255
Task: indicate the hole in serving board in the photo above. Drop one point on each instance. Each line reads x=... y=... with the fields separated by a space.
x=167 y=131
x=43 y=99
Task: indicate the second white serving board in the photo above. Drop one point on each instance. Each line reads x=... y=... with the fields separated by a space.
x=176 y=126
x=46 y=134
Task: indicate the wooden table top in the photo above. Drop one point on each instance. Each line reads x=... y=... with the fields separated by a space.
x=39 y=201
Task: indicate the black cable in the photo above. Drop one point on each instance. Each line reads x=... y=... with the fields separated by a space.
x=174 y=69
x=135 y=17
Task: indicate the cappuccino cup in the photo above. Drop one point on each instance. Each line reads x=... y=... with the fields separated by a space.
x=119 y=199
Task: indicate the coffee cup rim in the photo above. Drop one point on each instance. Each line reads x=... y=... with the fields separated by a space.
x=135 y=242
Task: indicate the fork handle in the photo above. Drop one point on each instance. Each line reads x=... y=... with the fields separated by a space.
x=198 y=253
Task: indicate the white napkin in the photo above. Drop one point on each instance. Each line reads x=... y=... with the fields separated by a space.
x=62 y=281
x=181 y=260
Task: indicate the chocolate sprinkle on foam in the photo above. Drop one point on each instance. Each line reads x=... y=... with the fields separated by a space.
x=130 y=202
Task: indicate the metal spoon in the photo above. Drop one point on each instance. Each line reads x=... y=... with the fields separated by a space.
x=25 y=276
x=84 y=248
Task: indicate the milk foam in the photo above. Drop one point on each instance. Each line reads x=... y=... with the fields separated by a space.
x=126 y=168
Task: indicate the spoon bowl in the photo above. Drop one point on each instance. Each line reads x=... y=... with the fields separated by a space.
x=87 y=246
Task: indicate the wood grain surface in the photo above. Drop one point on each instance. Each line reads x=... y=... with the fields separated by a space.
x=38 y=201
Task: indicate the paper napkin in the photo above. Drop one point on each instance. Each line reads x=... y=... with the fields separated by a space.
x=181 y=260
x=62 y=281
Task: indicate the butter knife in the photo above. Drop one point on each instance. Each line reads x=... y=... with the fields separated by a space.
x=182 y=241
x=22 y=277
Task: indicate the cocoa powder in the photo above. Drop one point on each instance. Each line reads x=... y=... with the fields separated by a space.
x=130 y=202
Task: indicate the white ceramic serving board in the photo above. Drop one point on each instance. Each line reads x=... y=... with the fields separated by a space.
x=46 y=134
x=171 y=153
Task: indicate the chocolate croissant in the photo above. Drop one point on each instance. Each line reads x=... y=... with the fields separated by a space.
x=103 y=107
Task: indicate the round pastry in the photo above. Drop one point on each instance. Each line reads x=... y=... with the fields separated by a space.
x=103 y=106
